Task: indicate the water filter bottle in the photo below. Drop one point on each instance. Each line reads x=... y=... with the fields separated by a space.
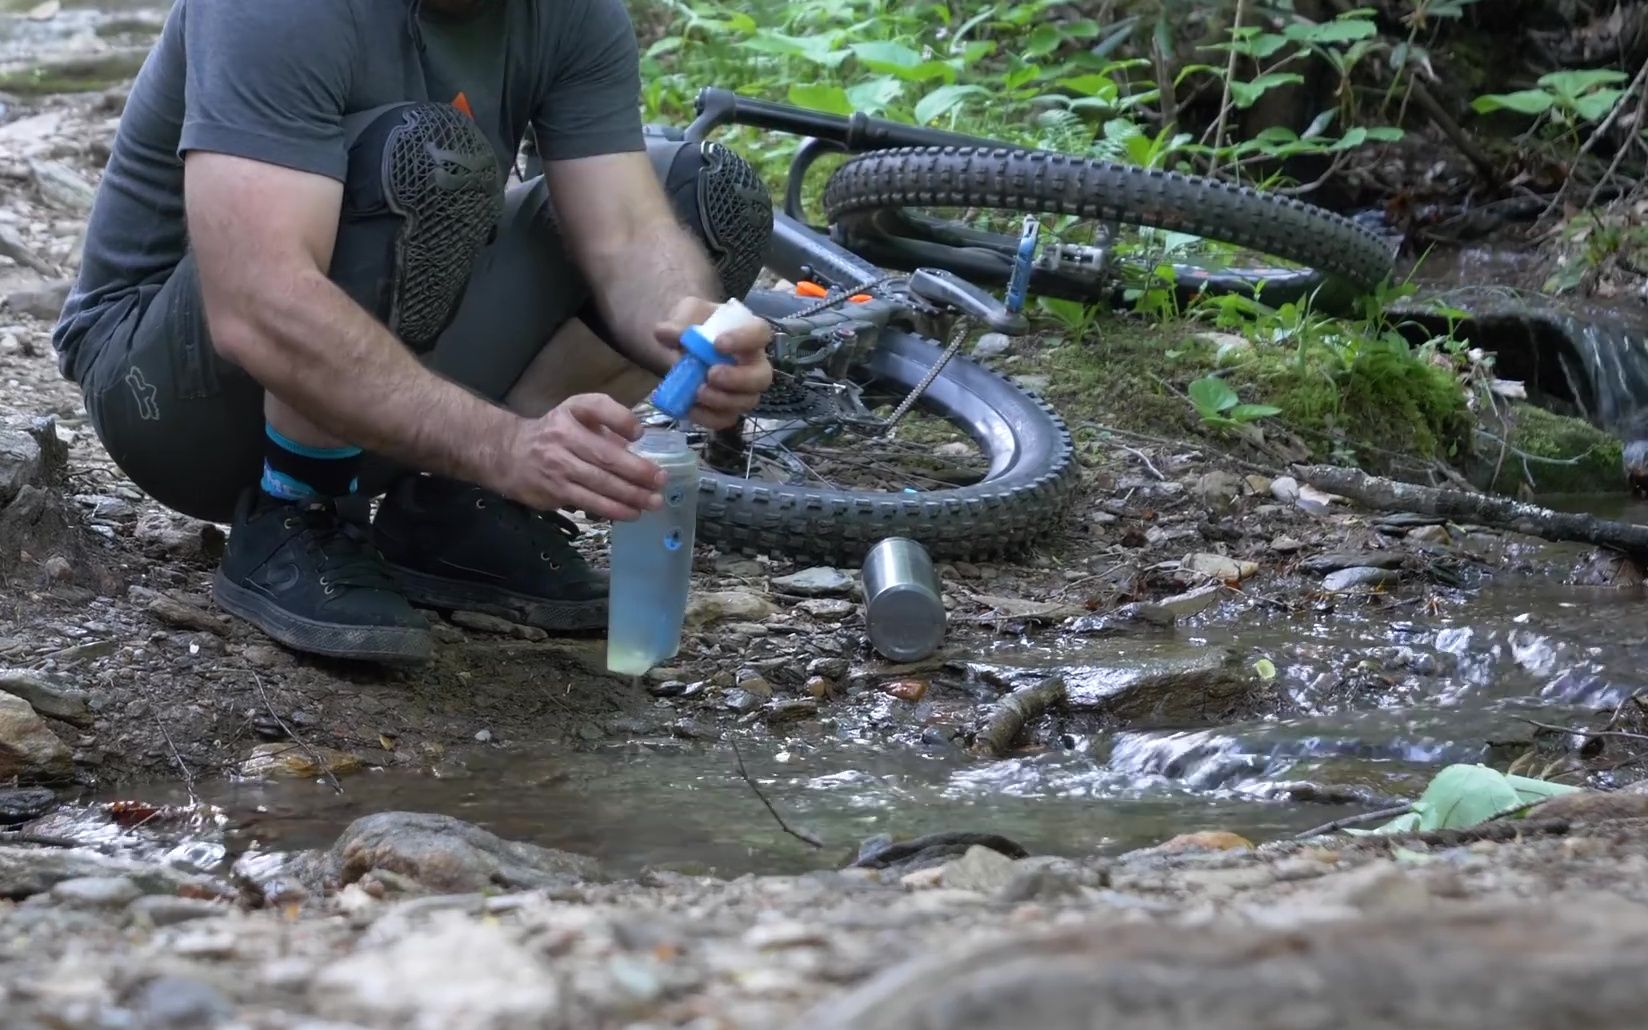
x=674 y=396
x=651 y=562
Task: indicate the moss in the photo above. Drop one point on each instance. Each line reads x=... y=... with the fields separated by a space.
x=75 y=75
x=1599 y=467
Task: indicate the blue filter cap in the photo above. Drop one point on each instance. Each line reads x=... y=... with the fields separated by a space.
x=674 y=396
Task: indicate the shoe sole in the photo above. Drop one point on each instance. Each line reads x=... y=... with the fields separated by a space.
x=397 y=644
x=550 y=616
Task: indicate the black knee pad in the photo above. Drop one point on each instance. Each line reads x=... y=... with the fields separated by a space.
x=721 y=198
x=424 y=195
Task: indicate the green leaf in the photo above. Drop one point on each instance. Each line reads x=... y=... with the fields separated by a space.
x=1250 y=412
x=818 y=49
x=1574 y=82
x=1265 y=668
x=1211 y=395
x=1319 y=124
x=972 y=23
x=1044 y=39
x=1021 y=76
x=874 y=96
x=1246 y=93
x=1386 y=133
x=1595 y=106
x=885 y=55
x=818 y=96
x=1340 y=30
x=1081 y=28
x=942 y=101
x=1093 y=85
x=1524 y=101
x=1462 y=796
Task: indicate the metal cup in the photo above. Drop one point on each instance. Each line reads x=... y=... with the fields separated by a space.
x=903 y=604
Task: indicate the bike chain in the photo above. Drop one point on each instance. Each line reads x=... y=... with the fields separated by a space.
x=956 y=337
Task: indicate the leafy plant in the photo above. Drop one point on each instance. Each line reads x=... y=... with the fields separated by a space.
x=1218 y=404
x=1564 y=98
x=1461 y=796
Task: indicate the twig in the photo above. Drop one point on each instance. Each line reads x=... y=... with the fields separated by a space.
x=1579 y=732
x=800 y=835
x=1601 y=130
x=1142 y=456
x=1230 y=76
x=314 y=756
x=1456 y=135
x=1356 y=820
x=1187 y=445
x=182 y=767
x=1013 y=712
x=1491 y=831
x=1619 y=155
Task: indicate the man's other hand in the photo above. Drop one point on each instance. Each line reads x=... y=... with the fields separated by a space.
x=577 y=456
x=729 y=391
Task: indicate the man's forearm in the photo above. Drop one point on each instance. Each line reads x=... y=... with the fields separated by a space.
x=638 y=281
x=325 y=356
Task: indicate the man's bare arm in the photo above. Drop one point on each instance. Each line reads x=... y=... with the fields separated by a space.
x=640 y=262
x=263 y=237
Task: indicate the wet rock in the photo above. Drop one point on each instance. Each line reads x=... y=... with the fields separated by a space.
x=1334 y=561
x=44 y=302
x=1435 y=535
x=27 y=871
x=1365 y=578
x=1193 y=687
x=979 y=869
x=827 y=609
x=816 y=582
x=740 y=700
x=668 y=688
x=1204 y=840
x=29 y=750
x=991 y=345
x=1218 y=489
x=756 y=684
x=288 y=758
x=448 y=855
x=793 y=710
x=160 y=910
x=96 y=892
x=50 y=699
x=821 y=688
x=180 y=1002
x=831 y=668
x=929 y=850
x=20 y=804
x=1217 y=566
x=62 y=187
x=714 y=606
x=1591 y=806
x=1049 y=878
x=278 y=878
x=1285 y=544
x=911 y=690
x=1169 y=610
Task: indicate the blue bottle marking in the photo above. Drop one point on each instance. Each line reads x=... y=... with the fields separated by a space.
x=1018 y=285
x=674 y=396
x=672 y=540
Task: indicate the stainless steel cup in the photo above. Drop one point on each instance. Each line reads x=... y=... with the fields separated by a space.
x=903 y=604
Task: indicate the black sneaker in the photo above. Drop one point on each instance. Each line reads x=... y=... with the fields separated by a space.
x=311 y=580
x=451 y=545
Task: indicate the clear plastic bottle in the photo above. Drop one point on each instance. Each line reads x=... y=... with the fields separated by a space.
x=651 y=560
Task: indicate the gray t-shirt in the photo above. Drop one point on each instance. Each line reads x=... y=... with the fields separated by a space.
x=273 y=80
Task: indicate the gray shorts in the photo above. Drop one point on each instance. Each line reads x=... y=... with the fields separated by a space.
x=186 y=425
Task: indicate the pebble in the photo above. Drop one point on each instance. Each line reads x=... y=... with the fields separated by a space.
x=831 y=668
x=50 y=699
x=827 y=610
x=285 y=758
x=1346 y=580
x=1217 y=566
x=1285 y=544
x=712 y=606
x=162 y=910
x=96 y=892
x=484 y=623
x=778 y=712
x=991 y=345
x=181 y=1002
x=756 y=685
x=29 y=750
x=740 y=700
x=20 y=804
x=1285 y=489
x=820 y=581
x=820 y=687
x=1431 y=535
x=911 y=690
x=981 y=869
x=668 y=688
x=1334 y=561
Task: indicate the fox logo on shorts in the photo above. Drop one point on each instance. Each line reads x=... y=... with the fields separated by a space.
x=145 y=393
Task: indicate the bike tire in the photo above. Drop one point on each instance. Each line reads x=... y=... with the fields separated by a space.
x=1043 y=182
x=1011 y=510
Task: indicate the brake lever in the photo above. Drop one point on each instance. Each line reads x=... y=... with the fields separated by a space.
x=946 y=289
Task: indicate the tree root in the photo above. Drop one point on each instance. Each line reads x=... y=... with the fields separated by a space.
x=1013 y=712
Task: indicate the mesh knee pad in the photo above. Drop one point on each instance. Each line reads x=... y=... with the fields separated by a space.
x=719 y=194
x=440 y=175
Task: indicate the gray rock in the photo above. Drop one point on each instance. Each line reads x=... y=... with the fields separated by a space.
x=28 y=749
x=1169 y=610
x=991 y=345
x=454 y=973
x=1346 y=580
x=160 y=910
x=1218 y=489
x=1333 y=561
x=1285 y=489
x=740 y=700
x=96 y=892
x=44 y=302
x=829 y=668
x=447 y=855
x=777 y=712
x=27 y=871
x=708 y=607
x=181 y=1002
x=1049 y=878
x=981 y=869
x=50 y=699
x=484 y=623
x=62 y=187
x=820 y=581
x=20 y=804
x=828 y=609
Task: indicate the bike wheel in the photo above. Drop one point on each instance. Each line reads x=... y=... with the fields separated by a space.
x=869 y=200
x=1021 y=454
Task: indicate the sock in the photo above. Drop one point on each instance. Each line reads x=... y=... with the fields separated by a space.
x=297 y=472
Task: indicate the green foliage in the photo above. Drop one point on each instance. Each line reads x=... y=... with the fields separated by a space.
x=1461 y=796
x=1218 y=405
x=1565 y=99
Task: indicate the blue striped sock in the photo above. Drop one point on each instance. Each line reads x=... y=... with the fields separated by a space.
x=298 y=472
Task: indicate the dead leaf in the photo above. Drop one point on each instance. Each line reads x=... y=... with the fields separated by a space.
x=46 y=11
x=1020 y=608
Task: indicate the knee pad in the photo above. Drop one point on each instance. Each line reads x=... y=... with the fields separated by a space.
x=424 y=198
x=721 y=198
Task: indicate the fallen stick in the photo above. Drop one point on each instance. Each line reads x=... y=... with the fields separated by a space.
x=1487 y=509
x=1360 y=819
x=804 y=836
x=1013 y=712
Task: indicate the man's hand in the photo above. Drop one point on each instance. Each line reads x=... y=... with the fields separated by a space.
x=729 y=391
x=577 y=456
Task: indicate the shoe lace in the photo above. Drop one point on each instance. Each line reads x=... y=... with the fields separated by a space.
x=342 y=550
x=550 y=531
